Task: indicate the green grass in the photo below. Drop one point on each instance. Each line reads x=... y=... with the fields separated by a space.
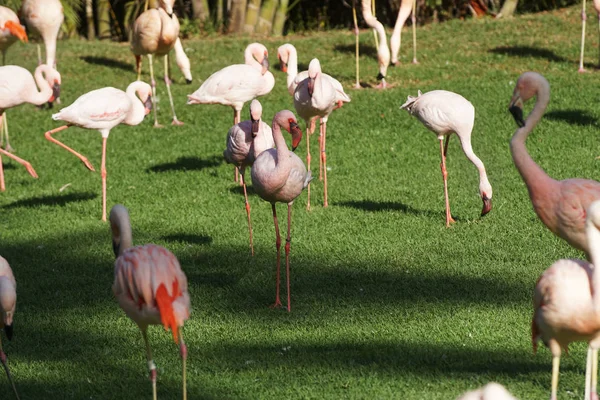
x=386 y=302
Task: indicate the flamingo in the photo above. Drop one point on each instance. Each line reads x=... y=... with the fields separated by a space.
x=407 y=7
x=560 y=205
x=103 y=109
x=315 y=96
x=278 y=175
x=567 y=306
x=150 y=286
x=44 y=17
x=10 y=31
x=445 y=113
x=491 y=391
x=383 y=52
x=17 y=86
x=245 y=141
x=8 y=301
x=155 y=32
x=583 y=19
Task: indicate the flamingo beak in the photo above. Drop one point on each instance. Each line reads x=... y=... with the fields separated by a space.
x=265 y=64
x=16 y=30
x=282 y=65
x=487 y=205
x=255 y=126
x=516 y=109
x=148 y=105
x=55 y=92
x=296 y=135
x=310 y=86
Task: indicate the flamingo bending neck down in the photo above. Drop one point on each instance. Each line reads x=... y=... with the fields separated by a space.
x=150 y=286
x=560 y=205
x=8 y=302
x=407 y=7
x=383 y=52
x=567 y=306
x=445 y=113
x=278 y=175
x=102 y=110
x=44 y=17
x=245 y=141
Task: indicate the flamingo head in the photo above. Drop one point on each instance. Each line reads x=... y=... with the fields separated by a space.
x=255 y=115
x=314 y=69
x=526 y=88
x=54 y=80
x=17 y=30
x=283 y=57
x=144 y=92
x=485 y=191
x=265 y=62
x=167 y=5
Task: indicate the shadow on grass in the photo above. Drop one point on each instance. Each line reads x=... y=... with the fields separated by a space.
x=528 y=51
x=188 y=164
x=363 y=49
x=240 y=189
x=573 y=117
x=378 y=206
x=52 y=200
x=188 y=238
x=108 y=62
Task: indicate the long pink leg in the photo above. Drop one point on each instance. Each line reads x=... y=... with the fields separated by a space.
x=288 y=241
x=449 y=218
x=446 y=146
x=103 y=174
x=310 y=129
x=236 y=120
x=3 y=360
x=2 y=187
x=151 y=365
x=24 y=163
x=278 y=245
x=168 y=83
x=324 y=160
x=82 y=158
x=247 y=212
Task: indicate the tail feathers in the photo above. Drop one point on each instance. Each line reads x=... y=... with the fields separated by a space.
x=56 y=117
x=165 y=306
x=410 y=101
x=309 y=178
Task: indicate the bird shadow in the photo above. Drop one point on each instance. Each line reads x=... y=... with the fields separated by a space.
x=52 y=200
x=363 y=49
x=188 y=164
x=8 y=166
x=108 y=62
x=573 y=117
x=528 y=51
x=240 y=190
x=379 y=206
x=188 y=238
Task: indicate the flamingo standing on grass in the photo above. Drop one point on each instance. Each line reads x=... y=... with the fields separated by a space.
x=10 y=31
x=8 y=302
x=567 y=306
x=45 y=18
x=156 y=32
x=150 y=286
x=279 y=175
x=560 y=205
x=245 y=142
x=583 y=19
x=17 y=86
x=102 y=110
x=445 y=113
x=407 y=7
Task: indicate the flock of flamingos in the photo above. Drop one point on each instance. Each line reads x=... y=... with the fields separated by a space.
x=149 y=284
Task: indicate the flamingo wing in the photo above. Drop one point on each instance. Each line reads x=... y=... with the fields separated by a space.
x=233 y=84
x=99 y=109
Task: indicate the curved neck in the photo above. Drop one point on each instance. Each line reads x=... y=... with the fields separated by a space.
x=292 y=65
x=137 y=112
x=121 y=230
x=593 y=238
x=41 y=97
x=283 y=164
x=249 y=57
x=468 y=150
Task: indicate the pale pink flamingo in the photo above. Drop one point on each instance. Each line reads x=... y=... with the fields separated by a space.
x=102 y=110
x=445 y=113
x=150 y=286
x=491 y=391
x=18 y=86
x=583 y=19
x=567 y=306
x=407 y=7
x=383 y=51
x=8 y=302
x=45 y=18
x=314 y=97
x=10 y=31
x=279 y=175
x=560 y=205
x=155 y=32
x=245 y=141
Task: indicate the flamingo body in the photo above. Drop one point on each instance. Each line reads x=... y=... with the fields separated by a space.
x=298 y=177
x=491 y=391
x=8 y=303
x=44 y=17
x=154 y=32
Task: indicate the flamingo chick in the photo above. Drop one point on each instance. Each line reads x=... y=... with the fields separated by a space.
x=18 y=86
x=567 y=306
x=103 y=109
x=445 y=113
x=278 y=175
x=245 y=141
x=560 y=205
x=491 y=391
x=150 y=286
x=156 y=32
x=45 y=18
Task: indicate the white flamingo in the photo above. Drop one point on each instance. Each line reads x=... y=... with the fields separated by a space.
x=407 y=7
x=583 y=19
x=44 y=17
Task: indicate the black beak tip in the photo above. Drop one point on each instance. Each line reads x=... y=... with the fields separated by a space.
x=487 y=206
x=8 y=329
x=294 y=148
x=188 y=81
x=517 y=113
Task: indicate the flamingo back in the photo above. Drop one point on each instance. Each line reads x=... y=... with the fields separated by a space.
x=242 y=147
x=16 y=83
x=43 y=16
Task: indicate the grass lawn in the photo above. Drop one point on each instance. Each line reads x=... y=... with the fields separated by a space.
x=386 y=302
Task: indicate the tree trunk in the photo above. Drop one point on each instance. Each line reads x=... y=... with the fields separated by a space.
x=201 y=11
x=103 y=19
x=508 y=9
x=280 y=17
x=236 y=15
x=220 y=20
x=265 y=20
x=251 y=15
x=89 y=18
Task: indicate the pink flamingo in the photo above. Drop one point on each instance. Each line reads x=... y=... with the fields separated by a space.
x=150 y=286
x=17 y=86
x=583 y=19
x=407 y=7
x=491 y=391
x=155 y=32
x=278 y=175
x=45 y=18
x=102 y=110
x=560 y=205
x=567 y=306
x=383 y=52
x=245 y=141
x=445 y=113
x=314 y=97
x=8 y=301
